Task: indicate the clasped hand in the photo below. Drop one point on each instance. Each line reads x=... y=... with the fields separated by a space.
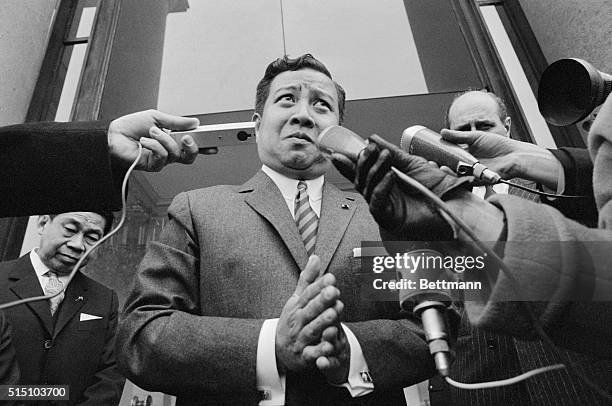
x=309 y=333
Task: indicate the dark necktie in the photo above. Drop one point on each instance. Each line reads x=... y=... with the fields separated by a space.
x=305 y=218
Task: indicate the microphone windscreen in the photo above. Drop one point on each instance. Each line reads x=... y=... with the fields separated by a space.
x=423 y=268
x=408 y=135
x=341 y=140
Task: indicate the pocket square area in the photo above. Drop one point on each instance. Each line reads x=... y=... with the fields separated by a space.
x=85 y=317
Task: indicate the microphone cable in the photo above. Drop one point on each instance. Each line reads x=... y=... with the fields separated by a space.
x=442 y=206
x=539 y=192
x=96 y=245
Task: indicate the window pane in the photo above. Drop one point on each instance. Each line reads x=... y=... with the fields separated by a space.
x=215 y=52
x=539 y=130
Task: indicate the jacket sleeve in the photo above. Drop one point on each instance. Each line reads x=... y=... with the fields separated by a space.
x=562 y=268
x=57 y=167
x=578 y=172
x=164 y=343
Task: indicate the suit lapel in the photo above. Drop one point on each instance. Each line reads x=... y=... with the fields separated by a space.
x=265 y=198
x=24 y=283
x=75 y=297
x=337 y=209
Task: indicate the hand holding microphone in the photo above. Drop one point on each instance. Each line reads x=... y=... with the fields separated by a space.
x=398 y=209
x=508 y=157
x=422 y=141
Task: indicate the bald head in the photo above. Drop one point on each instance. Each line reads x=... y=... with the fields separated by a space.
x=478 y=110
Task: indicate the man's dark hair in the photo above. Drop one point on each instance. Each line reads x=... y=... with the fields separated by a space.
x=285 y=64
x=502 y=111
x=108 y=217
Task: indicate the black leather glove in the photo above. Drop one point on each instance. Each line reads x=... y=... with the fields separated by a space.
x=401 y=211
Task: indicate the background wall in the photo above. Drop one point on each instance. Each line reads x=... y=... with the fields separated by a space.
x=24 y=29
x=573 y=28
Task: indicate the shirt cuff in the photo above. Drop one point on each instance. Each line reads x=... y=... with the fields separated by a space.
x=359 y=380
x=560 y=182
x=270 y=383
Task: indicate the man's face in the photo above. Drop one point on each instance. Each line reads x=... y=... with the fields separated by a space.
x=66 y=237
x=299 y=106
x=477 y=111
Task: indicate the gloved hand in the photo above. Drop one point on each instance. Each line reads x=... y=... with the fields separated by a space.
x=401 y=211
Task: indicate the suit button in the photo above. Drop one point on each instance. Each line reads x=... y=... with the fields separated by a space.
x=491 y=343
x=48 y=344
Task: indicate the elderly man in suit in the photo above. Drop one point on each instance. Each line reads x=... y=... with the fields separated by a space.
x=69 y=339
x=231 y=307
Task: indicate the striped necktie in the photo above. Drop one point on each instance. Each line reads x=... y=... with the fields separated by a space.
x=305 y=218
x=53 y=286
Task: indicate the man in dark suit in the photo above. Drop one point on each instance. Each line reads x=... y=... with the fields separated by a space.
x=479 y=118
x=67 y=340
x=228 y=307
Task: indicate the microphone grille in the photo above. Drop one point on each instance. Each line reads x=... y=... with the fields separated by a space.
x=407 y=136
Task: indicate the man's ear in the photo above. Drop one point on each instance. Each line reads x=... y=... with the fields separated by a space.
x=508 y=124
x=257 y=118
x=42 y=222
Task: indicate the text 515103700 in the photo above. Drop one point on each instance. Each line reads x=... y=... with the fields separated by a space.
x=34 y=392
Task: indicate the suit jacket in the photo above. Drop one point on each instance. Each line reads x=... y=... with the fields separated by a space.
x=9 y=370
x=56 y=168
x=62 y=350
x=228 y=259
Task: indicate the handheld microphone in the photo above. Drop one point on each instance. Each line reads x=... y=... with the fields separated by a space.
x=429 y=305
x=422 y=141
x=429 y=302
x=339 y=139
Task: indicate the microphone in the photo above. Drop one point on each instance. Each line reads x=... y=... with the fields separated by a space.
x=339 y=139
x=429 y=301
x=427 y=304
x=422 y=141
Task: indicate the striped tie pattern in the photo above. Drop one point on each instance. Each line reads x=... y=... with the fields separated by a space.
x=305 y=218
x=53 y=286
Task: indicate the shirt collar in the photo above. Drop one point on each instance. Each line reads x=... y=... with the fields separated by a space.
x=37 y=263
x=288 y=186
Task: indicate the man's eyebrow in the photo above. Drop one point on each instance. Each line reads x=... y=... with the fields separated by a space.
x=321 y=92
x=287 y=87
x=463 y=127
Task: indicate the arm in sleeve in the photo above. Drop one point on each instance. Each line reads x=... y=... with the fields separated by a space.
x=57 y=167
x=578 y=175
x=396 y=352
x=164 y=342
x=562 y=267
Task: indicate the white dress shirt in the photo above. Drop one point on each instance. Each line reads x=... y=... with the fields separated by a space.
x=269 y=381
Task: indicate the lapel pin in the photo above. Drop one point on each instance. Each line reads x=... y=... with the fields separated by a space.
x=345 y=206
x=79 y=299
